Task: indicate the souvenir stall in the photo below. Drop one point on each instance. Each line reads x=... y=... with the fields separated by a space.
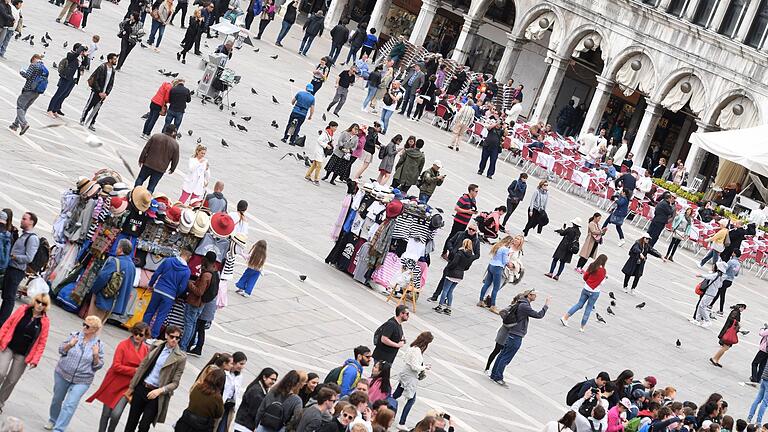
x=99 y=212
x=381 y=234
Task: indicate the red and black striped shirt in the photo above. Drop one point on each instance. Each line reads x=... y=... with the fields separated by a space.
x=467 y=203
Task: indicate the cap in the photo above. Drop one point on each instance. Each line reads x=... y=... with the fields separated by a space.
x=437 y=163
x=651 y=380
x=577 y=221
x=310 y=87
x=645 y=235
x=625 y=403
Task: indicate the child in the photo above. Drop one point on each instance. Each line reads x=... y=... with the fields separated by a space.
x=92 y=49
x=253 y=272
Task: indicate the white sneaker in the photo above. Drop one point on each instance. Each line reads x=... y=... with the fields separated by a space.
x=581 y=329
x=632 y=291
x=563 y=322
x=626 y=290
x=621 y=242
x=48 y=426
x=706 y=324
x=244 y=294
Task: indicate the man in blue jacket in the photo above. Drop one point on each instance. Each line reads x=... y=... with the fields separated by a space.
x=353 y=370
x=168 y=282
x=102 y=306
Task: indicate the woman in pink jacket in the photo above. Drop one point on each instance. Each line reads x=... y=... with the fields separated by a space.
x=617 y=416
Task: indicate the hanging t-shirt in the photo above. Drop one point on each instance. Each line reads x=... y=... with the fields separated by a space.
x=135 y=223
x=347 y=251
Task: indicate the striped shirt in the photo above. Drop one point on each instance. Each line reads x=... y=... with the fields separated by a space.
x=466 y=203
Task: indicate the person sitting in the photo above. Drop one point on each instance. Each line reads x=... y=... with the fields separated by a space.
x=225 y=48
x=609 y=169
x=538 y=143
x=706 y=213
x=490 y=223
x=727 y=195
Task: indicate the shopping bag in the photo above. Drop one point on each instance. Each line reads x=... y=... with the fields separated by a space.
x=76 y=19
x=731 y=336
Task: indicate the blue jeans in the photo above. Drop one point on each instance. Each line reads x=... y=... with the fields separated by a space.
x=148 y=173
x=191 y=314
x=159 y=305
x=408 y=404
x=352 y=54
x=588 y=297
x=65 y=87
x=152 y=117
x=175 y=117
x=306 y=42
x=489 y=156
x=66 y=398
x=369 y=97
x=156 y=27
x=299 y=121
x=385 y=115
x=248 y=280
x=424 y=198
x=505 y=356
x=712 y=254
x=762 y=400
x=283 y=31
x=446 y=297
x=5 y=38
x=494 y=276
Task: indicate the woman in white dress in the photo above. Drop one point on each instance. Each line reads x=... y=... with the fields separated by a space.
x=197 y=178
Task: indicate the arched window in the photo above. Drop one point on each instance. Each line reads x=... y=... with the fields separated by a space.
x=733 y=16
x=704 y=12
x=756 y=35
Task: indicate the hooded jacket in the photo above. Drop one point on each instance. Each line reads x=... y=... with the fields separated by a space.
x=350 y=375
x=339 y=35
x=171 y=278
x=409 y=166
x=460 y=263
x=314 y=25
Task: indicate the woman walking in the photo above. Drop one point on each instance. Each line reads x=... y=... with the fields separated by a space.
x=340 y=162
x=81 y=356
x=324 y=143
x=130 y=33
x=198 y=175
x=192 y=36
x=454 y=273
x=267 y=16
x=619 y=213
x=389 y=104
x=380 y=386
x=716 y=243
x=537 y=210
x=288 y=19
x=245 y=420
x=593 y=278
x=681 y=229
x=161 y=16
x=729 y=335
x=413 y=371
x=591 y=242
x=566 y=249
x=371 y=143
x=258 y=256
x=387 y=155
x=205 y=404
x=707 y=290
x=494 y=273
x=128 y=355
x=636 y=262
x=426 y=97
x=284 y=393
x=732 y=269
x=465 y=118
x=22 y=342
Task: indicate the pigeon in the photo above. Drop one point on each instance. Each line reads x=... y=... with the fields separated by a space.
x=55 y=66
x=199 y=140
x=224 y=143
x=142 y=44
x=641 y=305
x=274 y=57
x=46 y=44
x=678 y=343
x=613 y=303
x=202 y=101
x=221 y=107
x=189 y=132
x=275 y=125
x=18 y=35
x=274 y=100
x=233 y=104
x=287 y=154
x=231 y=123
x=323 y=116
x=599 y=318
x=248 y=118
x=291 y=80
x=302 y=277
x=27 y=37
x=253 y=91
x=307 y=163
x=65 y=44
x=162 y=71
x=610 y=294
x=175 y=74
x=610 y=311
x=101 y=58
x=192 y=92
x=234 y=113
x=744 y=332
x=47 y=36
x=31 y=43
x=168 y=74
x=257 y=50
x=242 y=128
x=271 y=144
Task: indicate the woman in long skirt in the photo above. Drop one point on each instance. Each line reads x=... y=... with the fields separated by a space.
x=340 y=162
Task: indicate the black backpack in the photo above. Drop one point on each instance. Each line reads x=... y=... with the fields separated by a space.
x=377 y=334
x=40 y=261
x=509 y=315
x=213 y=288
x=333 y=375
x=573 y=393
x=586 y=408
x=273 y=416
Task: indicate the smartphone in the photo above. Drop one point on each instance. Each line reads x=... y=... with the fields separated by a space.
x=447 y=416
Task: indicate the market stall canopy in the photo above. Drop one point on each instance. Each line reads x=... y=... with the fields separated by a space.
x=746 y=147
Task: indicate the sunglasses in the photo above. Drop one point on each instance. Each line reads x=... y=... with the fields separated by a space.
x=37 y=301
x=86 y=326
x=471 y=230
x=174 y=337
x=348 y=416
x=140 y=333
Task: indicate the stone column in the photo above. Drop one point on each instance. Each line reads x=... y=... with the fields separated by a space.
x=333 y=15
x=746 y=23
x=681 y=140
x=696 y=155
x=423 y=22
x=664 y=5
x=550 y=89
x=379 y=15
x=464 y=42
x=509 y=59
x=597 y=105
x=645 y=132
x=690 y=10
x=717 y=18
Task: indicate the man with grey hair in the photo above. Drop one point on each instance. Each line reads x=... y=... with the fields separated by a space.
x=113 y=284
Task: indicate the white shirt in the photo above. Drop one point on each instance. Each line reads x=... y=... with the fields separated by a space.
x=588 y=141
x=241 y=227
x=197 y=178
x=758 y=217
x=513 y=113
x=92 y=51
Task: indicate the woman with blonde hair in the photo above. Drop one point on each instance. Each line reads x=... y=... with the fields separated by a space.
x=414 y=371
x=258 y=256
x=22 y=342
x=198 y=175
x=427 y=424
x=454 y=273
x=495 y=273
x=82 y=354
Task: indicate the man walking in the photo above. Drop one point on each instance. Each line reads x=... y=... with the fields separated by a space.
x=178 y=98
x=516 y=320
x=100 y=82
x=303 y=104
x=161 y=152
x=389 y=337
x=169 y=281
x=339 y=36
x=663 y=214
x=312 y=28
x=22 y=253
x=7 y=24
x=73 y=66
x=356 y=41
x=515 y=194
x=216 y=202
x=154 y=381
x=492 y=148
x=201 y=291
x=413 y=82
x=343 y=82
x=429 y=181
x=465 y=207
x=36 y=81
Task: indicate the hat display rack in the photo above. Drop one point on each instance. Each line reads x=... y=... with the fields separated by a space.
x=99 y=211
x=380 y=230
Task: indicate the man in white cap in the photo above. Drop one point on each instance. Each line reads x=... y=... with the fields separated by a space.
x=429 y=180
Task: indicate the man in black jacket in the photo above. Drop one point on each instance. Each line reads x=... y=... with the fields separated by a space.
x=100 y=82
x=7 y=24
x=312 y=28
x=452 y=245
x=356 y=42
x=663 y=214
x=736 y=236
x=75 y=64
x=178 y=98
x=339 y=36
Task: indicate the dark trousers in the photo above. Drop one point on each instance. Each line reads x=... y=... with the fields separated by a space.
x=758 y=365
x=249 y=20
x=262 y=26
x=634 y=282
x=334 y=54
x=306 y=42
x=673 y=244
x=496 y=350
x=65 y=87
x=457 y=226
x=489 y=156
x=299 y=121
x=93 y=100
x=154 y=114
x=554 y=264
x=352 y=54
x=654 y=230
x=721 y=294
x=511 y=206
x=183 y=8
x=198 y=339
x=143 y=411
x=366 y=50
x=154 y=178
x=11 y=281
x=408 y=100
x=125 y=49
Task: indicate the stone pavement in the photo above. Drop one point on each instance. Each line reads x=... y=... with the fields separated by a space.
x=315 y=324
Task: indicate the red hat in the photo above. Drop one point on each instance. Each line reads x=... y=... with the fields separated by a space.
x=222 y=224
x=173 y=215
x=119 y=205
x=394 y=208
x=651 y=380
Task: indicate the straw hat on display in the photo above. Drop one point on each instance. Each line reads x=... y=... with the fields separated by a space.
x=141 y=198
